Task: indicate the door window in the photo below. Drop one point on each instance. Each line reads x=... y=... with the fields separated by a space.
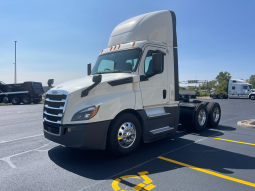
x=245 y=87
x=233 y=87
x=148 y=63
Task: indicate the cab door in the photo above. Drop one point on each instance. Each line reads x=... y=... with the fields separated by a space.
x=154 y=89
x=245 y=91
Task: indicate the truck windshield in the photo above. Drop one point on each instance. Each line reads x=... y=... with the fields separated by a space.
x=250 y=86
x=117 y=62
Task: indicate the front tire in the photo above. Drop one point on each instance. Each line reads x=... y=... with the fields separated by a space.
x=6 y=99
x=252 y=97
x=124 y=135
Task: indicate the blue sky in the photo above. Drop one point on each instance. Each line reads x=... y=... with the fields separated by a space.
x=56 y=39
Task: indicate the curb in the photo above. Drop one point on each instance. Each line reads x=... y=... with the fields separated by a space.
x=247 y=123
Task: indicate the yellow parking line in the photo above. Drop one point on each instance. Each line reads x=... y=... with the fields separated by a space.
x=232 y=141
x=209 y=172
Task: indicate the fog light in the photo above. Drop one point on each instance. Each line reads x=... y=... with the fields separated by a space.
x=69 y=129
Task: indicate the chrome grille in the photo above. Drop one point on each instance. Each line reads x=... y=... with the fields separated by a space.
x=54 y=106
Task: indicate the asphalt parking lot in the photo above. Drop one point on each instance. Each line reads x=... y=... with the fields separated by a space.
x=216 y=159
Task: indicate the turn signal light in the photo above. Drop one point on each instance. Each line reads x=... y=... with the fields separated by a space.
x=94 y=112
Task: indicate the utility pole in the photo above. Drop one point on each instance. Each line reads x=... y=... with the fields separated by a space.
x=15 y=74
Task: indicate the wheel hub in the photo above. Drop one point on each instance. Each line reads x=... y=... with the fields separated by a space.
x=201 y=117
x=126 y=134
x=216 y=114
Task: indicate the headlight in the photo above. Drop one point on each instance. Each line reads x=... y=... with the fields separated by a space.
x=86 y=113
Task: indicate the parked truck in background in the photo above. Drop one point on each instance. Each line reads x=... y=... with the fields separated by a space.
x=237 y=89
x=131 y=95
x=26 y=93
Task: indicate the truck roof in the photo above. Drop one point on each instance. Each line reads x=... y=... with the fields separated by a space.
x=158 y=26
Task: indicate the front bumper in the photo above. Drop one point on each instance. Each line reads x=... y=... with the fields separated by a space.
x=88 y=136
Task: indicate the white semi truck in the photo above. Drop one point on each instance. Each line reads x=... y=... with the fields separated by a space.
x=131 y=95
x=237 y=89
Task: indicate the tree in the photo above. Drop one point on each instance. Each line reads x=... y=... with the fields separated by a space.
x=223 y=76
x=182 y=88
x=252 y=80
x=191 y=87
x=222 y=88
x=212 y=84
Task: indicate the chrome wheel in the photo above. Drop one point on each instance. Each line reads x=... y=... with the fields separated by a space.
x=201 y=117
x=126 y=135
x=216 y=114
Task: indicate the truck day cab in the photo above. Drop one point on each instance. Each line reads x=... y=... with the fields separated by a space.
x=131 y=95
x=237 y=89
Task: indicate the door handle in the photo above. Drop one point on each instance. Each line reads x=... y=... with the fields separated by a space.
x=164 y=94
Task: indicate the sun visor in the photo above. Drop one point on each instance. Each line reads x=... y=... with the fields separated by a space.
x=158 y=26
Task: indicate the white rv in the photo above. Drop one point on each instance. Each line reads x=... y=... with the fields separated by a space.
x=131 y=95
x=237 y=89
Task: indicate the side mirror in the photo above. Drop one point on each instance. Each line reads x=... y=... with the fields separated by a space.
x=97 y=78
x=89 y=69
x=156 y=63
x=50 y=82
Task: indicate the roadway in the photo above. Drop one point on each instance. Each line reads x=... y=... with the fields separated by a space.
x=210 y=160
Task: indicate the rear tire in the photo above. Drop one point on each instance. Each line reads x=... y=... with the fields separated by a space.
x=15 y=100
x=221 y=96
x=124 y=135
x=26 y=99
x=214 y=114
x=214 y=96
x=200 y=118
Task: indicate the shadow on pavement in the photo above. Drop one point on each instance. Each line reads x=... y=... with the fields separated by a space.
x=100 y=165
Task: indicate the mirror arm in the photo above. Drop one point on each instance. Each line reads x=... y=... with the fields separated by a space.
x=146 y=77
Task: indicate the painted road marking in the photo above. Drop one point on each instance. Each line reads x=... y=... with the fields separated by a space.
x=140 y=186
x=20 y=139
x=209 y=172
x=232 y=141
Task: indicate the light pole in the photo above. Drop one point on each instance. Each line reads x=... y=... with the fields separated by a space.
x=15 y=74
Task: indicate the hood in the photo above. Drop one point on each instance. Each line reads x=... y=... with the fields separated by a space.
x=81 y=83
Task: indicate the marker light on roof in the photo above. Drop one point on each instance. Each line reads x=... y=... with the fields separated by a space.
x=114 y=47
x=133 y=44
x=110 y=48
x=118 y=46
x=102 y=50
